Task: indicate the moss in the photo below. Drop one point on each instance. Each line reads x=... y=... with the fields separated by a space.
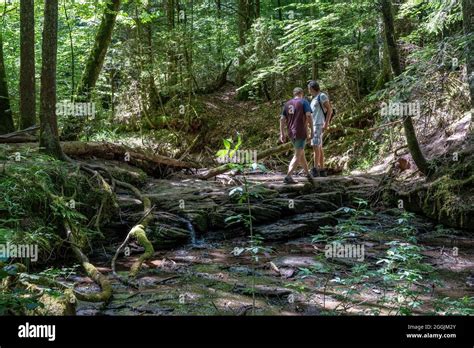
x=450 y=200
x=138 y=232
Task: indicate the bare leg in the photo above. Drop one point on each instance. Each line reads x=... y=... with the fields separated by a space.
x=317 y=156
x=321 y=157
x=293 y=164
x=303 y=162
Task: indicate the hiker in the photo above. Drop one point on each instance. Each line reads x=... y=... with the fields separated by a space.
x=296 y=115
x=322 y=112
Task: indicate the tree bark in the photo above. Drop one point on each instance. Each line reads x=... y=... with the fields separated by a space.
x=410 y=133
x=468 y=21
x=172 y=60
x=97 y=55
x=49 y=139
x=6 y=118
x=242 y=27
x=145 y=161
x=93 y=67
x=27 y=64
x=280 y=14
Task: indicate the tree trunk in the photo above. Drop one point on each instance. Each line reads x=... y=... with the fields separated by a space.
x=314 y=52
x=242 y=27
x=49 y=139
x=410 y=133
x=27 y=64
x=6 y=118
x=97 y=55
x=468 y=20
x=280 y=14
x=150 y=163
x=172 y=59
x=93 y=67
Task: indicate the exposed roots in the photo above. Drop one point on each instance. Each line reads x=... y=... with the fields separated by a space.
x=106 y=288
x=137 y=232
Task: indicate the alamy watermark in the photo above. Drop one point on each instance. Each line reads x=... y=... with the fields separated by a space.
x=68 y=108
x=399 y=109
x=239 y=156
x=337 y=250
x=22 y=251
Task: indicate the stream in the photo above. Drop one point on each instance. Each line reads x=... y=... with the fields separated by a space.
x=201 y=265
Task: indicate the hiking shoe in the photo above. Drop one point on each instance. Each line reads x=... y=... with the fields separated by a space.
x=289 y=180
x=323 y=173
x=315 y=172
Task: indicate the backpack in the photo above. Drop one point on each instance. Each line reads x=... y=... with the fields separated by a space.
x=324 y=113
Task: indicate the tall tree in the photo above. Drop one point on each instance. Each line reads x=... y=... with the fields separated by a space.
x=94 y=65
x=97 y=55
x=242 y=13
x=27 y=64
x=170 y=8
x=410 y=134
x=468 y=20
x=6 y=118
x=280 y=14
x=49 y=139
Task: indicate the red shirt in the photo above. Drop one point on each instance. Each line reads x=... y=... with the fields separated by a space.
x=294 y=112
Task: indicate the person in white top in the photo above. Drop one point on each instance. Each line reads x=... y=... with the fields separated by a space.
x=321 y=113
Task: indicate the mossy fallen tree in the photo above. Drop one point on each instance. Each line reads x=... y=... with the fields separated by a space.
x=261 y=155
x=152 y=164
x=147 y=162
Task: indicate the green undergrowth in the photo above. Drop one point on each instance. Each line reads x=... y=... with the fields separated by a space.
x=38 y=193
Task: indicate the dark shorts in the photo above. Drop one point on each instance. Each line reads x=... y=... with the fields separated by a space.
x=298 y=143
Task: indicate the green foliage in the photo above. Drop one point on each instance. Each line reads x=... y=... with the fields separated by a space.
x=461 y=306
x=405 y=227
x=348 y=228
x=403 y=268
x=37 y=194
x=15 y=300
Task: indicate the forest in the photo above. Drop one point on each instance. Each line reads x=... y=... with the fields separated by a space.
x=236 y=157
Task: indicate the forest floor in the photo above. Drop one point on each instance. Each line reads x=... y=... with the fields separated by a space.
x=214 y=274
x=206 y=261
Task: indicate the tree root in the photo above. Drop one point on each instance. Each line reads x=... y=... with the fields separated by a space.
x=137 y=232
x=91 y=271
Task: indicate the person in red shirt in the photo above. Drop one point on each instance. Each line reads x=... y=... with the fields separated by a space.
x=296 y=116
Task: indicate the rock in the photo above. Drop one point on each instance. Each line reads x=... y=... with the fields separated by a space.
x=296 y=262
x=241 y=270
x=299 y=226
x=266 y=290
x=163 y=235
x=262 y=290
x=287 y=272
x=282 y=230
x=315 y=220
x=314 y=202
x=260 y=212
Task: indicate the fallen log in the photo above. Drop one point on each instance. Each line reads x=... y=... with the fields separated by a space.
x=20 y=136
x=121 y=152
x=260 y=155
x=18 y=139
x=149 y=163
